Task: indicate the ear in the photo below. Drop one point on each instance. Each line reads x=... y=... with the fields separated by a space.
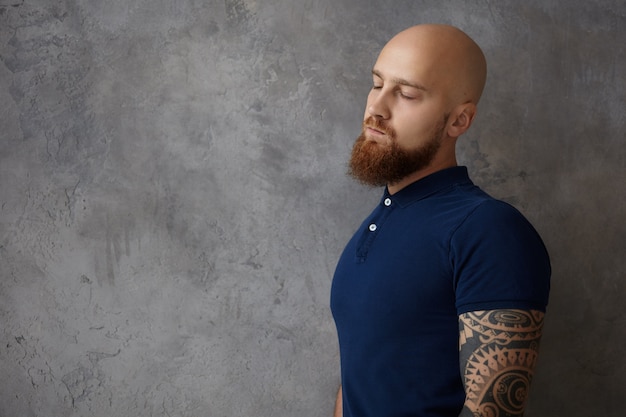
x=461 y=119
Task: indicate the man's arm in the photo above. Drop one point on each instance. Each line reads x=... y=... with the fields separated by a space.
x=338 y=404
x=498 y=351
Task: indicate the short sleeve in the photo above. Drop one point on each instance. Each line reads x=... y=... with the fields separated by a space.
x=499 y=261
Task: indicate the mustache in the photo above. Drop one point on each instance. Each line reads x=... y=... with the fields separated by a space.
x=379 y=125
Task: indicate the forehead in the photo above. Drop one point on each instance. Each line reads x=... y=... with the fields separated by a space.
x=414 y=63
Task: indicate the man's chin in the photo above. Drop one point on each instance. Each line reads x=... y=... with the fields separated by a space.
x=371 y=144
x=381 y=140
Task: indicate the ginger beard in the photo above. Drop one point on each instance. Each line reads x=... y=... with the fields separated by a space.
x=374 y=164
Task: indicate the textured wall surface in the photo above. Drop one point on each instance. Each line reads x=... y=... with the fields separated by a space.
x=173 y=196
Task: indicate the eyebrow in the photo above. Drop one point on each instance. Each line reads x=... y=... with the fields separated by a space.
x=400 y=81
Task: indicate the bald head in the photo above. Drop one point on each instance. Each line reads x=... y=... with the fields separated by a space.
x=446 y=58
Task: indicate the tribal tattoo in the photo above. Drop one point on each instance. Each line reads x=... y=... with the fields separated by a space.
x=498 y=353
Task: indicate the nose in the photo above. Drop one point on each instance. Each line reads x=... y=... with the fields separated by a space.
x=377 y=105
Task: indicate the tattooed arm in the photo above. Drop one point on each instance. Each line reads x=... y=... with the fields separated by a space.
x=498 y=352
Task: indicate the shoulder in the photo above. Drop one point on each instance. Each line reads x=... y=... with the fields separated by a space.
x=499 y=260
x=490 y=212
x=496 y=226
x=466 y=208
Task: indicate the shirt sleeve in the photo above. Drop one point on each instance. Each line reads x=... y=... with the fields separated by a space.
x=499 y=261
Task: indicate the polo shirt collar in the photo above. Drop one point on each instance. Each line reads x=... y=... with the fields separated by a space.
x=428 y=185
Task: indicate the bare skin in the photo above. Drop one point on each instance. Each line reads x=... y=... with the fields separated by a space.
x=498 y=353
x=338 y=405
x=445 y=71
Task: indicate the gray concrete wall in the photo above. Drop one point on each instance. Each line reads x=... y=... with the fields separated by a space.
x=173 y=196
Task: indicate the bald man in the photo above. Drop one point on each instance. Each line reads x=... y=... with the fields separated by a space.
x=439 y=297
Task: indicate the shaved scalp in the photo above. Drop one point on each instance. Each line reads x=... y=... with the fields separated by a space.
x=456 y=61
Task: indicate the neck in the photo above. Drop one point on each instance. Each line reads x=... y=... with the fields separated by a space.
x=418 y=175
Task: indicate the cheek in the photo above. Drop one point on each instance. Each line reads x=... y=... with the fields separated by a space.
x=408 y=126
x=412 y=132
x=417 y=124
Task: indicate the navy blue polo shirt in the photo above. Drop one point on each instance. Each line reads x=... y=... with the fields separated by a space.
x=436 y=249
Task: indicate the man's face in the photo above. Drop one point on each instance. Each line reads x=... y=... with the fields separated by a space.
x=405 y=117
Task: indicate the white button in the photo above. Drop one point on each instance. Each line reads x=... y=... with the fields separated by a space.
x=372 y=227
x=387 y=202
